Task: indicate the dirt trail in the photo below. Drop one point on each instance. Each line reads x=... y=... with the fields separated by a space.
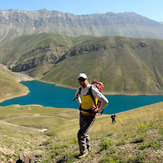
x=32 y=129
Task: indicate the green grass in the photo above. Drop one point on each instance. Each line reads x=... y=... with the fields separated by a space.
x=128 y=141
x=136 y=136
x=38 y=116
x=124 y=65
x=9 y=86
x=21 y=134
x=117 y=62
x=106 y=144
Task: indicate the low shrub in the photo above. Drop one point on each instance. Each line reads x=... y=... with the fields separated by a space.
x=105 y=144
x=138 y=140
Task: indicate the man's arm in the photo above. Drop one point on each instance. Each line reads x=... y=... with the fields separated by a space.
x=101 y=97
x=104 y=102
x=78 y=99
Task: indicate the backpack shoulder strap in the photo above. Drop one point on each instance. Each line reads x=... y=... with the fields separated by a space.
x=79 y=90
x=91 y=94
x=78 y=93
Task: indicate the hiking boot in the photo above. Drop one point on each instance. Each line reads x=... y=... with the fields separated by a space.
x=83 y=155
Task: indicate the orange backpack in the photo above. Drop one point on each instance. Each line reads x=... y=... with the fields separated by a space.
x=99 y=86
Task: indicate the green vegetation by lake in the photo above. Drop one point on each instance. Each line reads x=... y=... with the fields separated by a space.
x=9 y=85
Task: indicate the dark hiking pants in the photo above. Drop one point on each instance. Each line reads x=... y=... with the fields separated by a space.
x=83 y=137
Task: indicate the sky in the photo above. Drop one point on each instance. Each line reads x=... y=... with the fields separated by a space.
x=152 y=9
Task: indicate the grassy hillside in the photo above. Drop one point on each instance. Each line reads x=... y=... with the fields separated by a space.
x=34 y=54
x=136 y=136
x=21 y=129
x=9 y=86
x=124 y=65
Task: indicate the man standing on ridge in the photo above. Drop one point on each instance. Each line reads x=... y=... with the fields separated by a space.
x=88 y=110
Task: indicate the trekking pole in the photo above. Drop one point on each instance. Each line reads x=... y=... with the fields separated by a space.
x=74 y=99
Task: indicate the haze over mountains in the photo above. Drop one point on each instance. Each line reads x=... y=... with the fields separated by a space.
x=18 y=22
x=55 y=46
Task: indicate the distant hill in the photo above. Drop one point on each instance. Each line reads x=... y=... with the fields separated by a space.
x=124 y=65
x=18 y=22
x=34 y=54
x=9 y=86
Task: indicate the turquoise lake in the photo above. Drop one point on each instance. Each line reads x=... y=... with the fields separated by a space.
x=53 y=96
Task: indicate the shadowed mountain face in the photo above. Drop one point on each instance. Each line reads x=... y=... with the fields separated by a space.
x=124 y=65
x=34 y=54
x=18 y=22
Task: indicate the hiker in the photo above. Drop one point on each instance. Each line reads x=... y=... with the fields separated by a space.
x=113 y=118
x=88 y=111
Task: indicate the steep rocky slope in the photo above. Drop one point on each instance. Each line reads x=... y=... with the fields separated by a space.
x=34 y=54
x=18 y=22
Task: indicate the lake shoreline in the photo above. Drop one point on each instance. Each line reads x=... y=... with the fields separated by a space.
x=24 y=93
x=105 y=92
x=50 y=95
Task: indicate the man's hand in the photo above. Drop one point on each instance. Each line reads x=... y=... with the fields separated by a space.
x=94 y=109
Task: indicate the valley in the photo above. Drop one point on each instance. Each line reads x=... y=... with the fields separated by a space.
x=124 y=65
x=123 y=50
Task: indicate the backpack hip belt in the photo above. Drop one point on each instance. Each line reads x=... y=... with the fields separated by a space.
x=89 y=112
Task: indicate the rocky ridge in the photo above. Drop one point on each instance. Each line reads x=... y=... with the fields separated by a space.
x=18 y=22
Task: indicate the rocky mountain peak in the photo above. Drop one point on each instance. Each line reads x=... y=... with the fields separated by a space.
x=18 y=22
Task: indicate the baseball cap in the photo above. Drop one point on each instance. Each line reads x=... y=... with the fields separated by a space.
x=82 y=75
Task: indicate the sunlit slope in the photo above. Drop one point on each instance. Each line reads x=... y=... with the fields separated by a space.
x=137 y=135
x=124 y=65
x=9 y=86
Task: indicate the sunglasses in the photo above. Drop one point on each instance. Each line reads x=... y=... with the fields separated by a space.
x=81 y=80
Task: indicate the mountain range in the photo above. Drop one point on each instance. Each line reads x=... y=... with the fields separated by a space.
x=123 y=50
x=18 y=22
